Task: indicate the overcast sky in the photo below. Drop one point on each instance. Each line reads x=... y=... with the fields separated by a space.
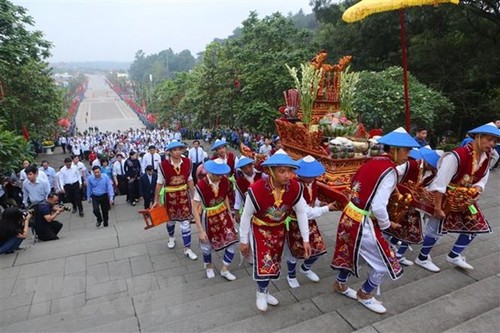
x=90 y=30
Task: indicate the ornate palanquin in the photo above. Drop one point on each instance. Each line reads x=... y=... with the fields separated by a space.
x=334 y=185
x=299 y=141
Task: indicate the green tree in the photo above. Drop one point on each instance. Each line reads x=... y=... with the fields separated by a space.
x=32 y=98
x=379 y=102
x=14 y=150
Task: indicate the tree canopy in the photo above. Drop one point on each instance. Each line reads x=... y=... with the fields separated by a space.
x=30 y=92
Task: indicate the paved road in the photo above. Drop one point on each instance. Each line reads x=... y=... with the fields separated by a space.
x=125 y=279
x=103 y=108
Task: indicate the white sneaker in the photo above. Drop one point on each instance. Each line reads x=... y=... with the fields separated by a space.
x=292 y=282
x=349 y=292
x=171 y=243
x=228 y=275
x=261 y=301
x=271 y=300
x=310 y=274
x=406 y=262
x=459 y=261
x=427 y=264
x=373 y=305
x=190 y=254
x=210 y=273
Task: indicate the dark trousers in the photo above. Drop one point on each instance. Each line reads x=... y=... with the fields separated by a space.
x=10 y=245
x=133 y=190
x=50 y=231
x=100 y=203
x=122 y=185
x=73 y=195
x=193 y=172
x=147 y=201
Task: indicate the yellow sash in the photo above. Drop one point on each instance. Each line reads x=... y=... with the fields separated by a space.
x=217 y=209
x=261 y=223
x=355 y=213
x=171 y=189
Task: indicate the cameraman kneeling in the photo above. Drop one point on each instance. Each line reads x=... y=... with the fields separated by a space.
x=13 y=229
x=46 y=225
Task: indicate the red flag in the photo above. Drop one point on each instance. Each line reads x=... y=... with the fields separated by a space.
x=26 y=134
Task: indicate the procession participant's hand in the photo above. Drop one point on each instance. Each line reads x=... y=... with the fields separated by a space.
x=245 y=249
x=439 y=213
x=307 y=249
x=202 y=235
x=332 y=206
x=155 y=204
x=395 y=225
x=237 y=216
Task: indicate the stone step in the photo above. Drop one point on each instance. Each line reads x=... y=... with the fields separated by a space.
x=488 y=322
x=230 y=308
x=327 y=323
x=119 y=308
x=274 y=319
x=128 y=325
x=446 y=311
x=185 y=292
x=417 y=286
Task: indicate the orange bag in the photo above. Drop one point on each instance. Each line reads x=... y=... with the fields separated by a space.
x=154 y=216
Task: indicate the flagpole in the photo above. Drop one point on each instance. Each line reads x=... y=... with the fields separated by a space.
x=405 y=71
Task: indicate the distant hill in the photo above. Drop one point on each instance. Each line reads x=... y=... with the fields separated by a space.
x=91 y=66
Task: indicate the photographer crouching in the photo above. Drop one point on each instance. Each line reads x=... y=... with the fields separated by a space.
x=13 y=229
x=46 y=226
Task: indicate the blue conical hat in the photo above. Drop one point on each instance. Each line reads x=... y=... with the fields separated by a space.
x=218 y=143
x=489 y=129
x=430 y=156
x=415 y=154
x=310 y=167
x=244 y=161
x=280 y=158
x=399 y=138
x=175 y=144
x=217 y=167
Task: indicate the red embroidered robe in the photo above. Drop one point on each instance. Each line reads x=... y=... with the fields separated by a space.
x=231 y=162
x=294 y=237
x=411 y=227
x=466 y=222
x=268 y=226
x=215 y=216
x=177 y=200
x=364 y=186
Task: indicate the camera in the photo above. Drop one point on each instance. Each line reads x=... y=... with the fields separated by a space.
x=66 y=208
x=27 y=212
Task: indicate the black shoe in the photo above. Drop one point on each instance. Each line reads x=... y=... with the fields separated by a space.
x=133 y=203
x=81 y=214
x=73 y=211
x=98 y=224
x=105 y=224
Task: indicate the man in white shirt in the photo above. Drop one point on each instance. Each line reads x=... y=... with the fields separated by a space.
x=70 y=180
x=196 y=155
x=150 y=158
x=266 y=148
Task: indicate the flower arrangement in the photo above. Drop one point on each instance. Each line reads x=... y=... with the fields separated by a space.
x=337 y=124
x=307 y=86
x=47 y=143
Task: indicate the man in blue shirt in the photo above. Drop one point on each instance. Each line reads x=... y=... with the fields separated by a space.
x=50 y=172
x=100 y=191
x=421 y=136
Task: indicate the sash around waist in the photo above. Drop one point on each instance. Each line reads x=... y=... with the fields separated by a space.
x=261 y=223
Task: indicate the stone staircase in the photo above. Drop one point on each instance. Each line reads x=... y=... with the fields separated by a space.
x=128 y=281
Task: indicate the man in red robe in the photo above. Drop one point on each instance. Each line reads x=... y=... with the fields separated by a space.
x=174 y=189
x=360 y=227
x=268 y=203
x=465 y=169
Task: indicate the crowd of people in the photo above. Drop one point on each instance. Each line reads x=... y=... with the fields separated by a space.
x=275 y=206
